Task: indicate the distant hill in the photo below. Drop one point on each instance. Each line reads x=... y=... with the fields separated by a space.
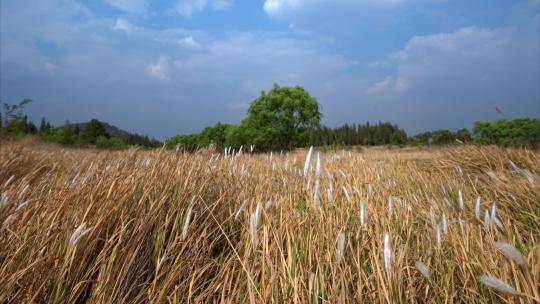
x=127 y=137
x=113 y=131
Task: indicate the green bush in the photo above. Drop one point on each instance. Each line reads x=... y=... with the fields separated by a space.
x=110 y=143
x=515 y=132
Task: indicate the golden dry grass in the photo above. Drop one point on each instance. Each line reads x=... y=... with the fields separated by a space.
x=135 y=203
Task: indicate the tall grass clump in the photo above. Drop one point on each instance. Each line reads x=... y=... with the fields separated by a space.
x=157 y=226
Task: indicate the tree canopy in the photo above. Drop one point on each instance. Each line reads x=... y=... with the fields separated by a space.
x=281 y=118
x=515 y=132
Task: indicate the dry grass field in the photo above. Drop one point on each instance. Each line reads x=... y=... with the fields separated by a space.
x=436 y=225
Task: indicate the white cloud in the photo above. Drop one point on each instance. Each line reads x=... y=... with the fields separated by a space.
x=160 y=69
x=123 y=25
x=388 y=84
x=286 y=7
x=189 y=42
x=274 y=7
x=381 y=86
x=222 y=4
x=187 y=8
x=129 y=6
x=449 y=58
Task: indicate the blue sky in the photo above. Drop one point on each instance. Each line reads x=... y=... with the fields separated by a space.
x=168 y=67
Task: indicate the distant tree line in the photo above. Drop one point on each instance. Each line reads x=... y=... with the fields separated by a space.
x=14 y=124
x=441 y=137
x=282 y=119
x=285 y=118
x=382 y=133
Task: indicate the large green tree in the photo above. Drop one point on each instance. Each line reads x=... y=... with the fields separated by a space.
x=280 y=119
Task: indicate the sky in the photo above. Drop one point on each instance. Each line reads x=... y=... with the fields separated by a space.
x=167 y=67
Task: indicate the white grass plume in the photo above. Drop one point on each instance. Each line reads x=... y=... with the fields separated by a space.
x=438 y=232
x=432 y=216
x=498 y=223
x=254 y=221
x=329 y=194
x=340 y=252
x=4 y=199
x=477 y=208
x=362 y=213
x=185 y=228
x=161 y=261
x=528 y=175
x=499 y=286
x=486 y=220
x=22 y=205
x=9 y=181
x=346 y=193
x=511 y=253
x=444 y=224
x=494 y=216
x=23 y=191
x=492 y=174
x=387 y=252
x=308 y=160
x=316 y=194
x=318 y=166
x=317 y=181
x=525 y=172
x=516 y=168
x=460 y=200
x=79 y=233
x=241 y=209
x=423 y=269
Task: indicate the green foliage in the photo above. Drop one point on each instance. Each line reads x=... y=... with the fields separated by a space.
x=12 y=121
x=515 y=132
x=18 y=127
x=278 y=120
x=13 y=124
x=216 y=135
x=141 y=141
x=463 y=135
x=423 y=138
x=93 y=130
x=186 y=142
x=281 y=119
x=63 y=135
x=367 y=134
x=110 y=143
x=443 y=137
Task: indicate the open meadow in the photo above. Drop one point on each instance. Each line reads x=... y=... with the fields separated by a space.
x=378 y=225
